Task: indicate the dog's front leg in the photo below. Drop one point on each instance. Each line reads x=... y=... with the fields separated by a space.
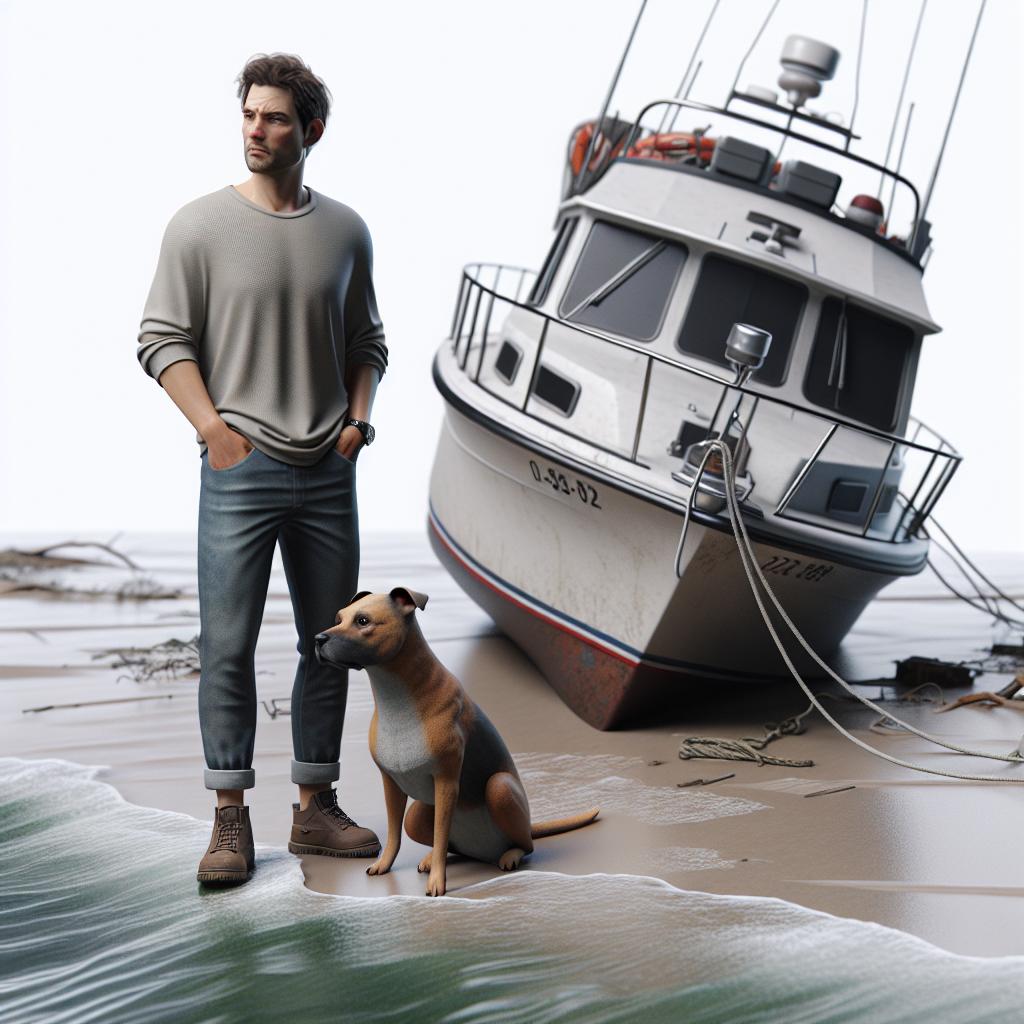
x=395 y=801
x=446 y=795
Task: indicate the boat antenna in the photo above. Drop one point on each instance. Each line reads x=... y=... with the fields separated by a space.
x=903 y=89
x=608 y=98
x=856 y=81
x=899 y=164
x=949 y=123
x=696 y=72
x=746 y=56
x=689 y=67
x=686 y=96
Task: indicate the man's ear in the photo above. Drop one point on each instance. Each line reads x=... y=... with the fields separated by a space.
x=408 y=600
x=314 y=132
x=359 y=596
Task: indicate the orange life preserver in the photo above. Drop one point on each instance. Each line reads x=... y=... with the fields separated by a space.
x=663 y=145
x=580 y=143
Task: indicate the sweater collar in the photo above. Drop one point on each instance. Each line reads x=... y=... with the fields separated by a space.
x=300 y=212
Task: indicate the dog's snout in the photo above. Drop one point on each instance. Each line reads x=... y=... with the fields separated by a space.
x=320 y=639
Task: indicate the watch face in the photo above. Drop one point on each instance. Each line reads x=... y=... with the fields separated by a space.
x=370 y=434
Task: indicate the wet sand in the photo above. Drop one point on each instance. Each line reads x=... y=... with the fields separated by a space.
x=932 y=857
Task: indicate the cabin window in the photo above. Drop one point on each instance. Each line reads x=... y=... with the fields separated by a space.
x=730 y=293
x=555 y=391
x=858 y=363
x=506 y=365
x=539 y=292
x=623 y=282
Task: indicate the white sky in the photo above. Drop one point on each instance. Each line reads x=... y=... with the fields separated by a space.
x=448 y=136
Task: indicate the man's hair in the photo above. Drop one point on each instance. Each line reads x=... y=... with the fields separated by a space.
x=286 y=71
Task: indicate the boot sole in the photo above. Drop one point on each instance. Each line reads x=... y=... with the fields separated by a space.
x=223 y=877
x=326 y=851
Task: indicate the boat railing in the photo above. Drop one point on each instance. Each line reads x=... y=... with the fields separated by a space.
x=660 y=116
x=904 y=477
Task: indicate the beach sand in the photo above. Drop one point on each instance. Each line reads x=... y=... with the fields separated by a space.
x=934 y=858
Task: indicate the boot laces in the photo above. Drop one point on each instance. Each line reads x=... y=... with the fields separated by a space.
x=227 y=836
x=339 y=815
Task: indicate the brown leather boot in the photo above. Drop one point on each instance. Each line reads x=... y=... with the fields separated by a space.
x=231 y=855
x=324 y=828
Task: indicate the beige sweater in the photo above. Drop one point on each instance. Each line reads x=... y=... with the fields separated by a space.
x=274 y=307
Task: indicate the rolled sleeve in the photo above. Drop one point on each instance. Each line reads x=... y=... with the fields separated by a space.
x=173 y=318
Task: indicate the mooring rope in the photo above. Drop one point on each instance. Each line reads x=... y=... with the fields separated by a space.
x=754 y=576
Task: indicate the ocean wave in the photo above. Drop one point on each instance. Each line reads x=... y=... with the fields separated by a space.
x=101 y=919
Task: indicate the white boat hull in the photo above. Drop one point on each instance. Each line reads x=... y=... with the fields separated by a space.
x=581 y=575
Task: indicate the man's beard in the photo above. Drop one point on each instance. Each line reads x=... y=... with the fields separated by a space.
x=258 y=161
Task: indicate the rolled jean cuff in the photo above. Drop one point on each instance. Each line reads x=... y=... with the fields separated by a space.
x=237 y=778
x=307 y=773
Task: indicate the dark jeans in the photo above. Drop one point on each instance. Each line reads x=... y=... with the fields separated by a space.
x=244 y=510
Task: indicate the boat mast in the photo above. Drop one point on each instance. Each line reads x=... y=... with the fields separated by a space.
x=949 y=124
x=856 y=81
x=903 y=89
x=693 y=56
x=899 y=167
x=746 y=56
x=608 y=99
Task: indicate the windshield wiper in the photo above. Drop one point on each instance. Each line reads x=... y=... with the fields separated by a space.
x=618 y=279
x=837 y=371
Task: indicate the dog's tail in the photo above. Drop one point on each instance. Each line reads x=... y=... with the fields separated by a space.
x=540 y=829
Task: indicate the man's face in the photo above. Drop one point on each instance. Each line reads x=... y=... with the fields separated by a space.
x=271 y=133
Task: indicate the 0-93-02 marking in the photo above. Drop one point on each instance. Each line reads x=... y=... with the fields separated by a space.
x=559 y=481
x=813 y=572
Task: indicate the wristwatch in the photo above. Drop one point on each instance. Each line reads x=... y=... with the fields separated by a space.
x=364 y=428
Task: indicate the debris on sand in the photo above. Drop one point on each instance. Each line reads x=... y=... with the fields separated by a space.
x=1006 y=697
x=749 y=747
x=20 y=573
x=95 y=703
x=172 y=658
x=40 y=558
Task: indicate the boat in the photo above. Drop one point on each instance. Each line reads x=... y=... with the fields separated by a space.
x=731 y=273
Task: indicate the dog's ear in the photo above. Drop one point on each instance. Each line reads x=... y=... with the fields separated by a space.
x=408 y=600
x=358 y=597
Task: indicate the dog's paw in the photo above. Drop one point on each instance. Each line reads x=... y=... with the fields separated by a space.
x=379 y=867
x=424 y=865
x=435 y=885
x=510 y=859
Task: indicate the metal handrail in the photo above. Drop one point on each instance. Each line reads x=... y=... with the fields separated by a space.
x=470 y=282
x=785 y=130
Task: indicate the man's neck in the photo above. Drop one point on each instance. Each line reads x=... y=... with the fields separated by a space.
x=280 y=195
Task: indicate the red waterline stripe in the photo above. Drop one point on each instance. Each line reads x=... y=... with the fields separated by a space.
x=439 y=530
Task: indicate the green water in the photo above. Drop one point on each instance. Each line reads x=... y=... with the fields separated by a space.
x=101 y=920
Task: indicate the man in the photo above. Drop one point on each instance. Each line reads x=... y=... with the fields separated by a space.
x=262 y=326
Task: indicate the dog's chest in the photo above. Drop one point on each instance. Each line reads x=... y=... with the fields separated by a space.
x=401 y=748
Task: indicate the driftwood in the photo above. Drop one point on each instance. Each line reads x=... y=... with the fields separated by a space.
x=95 y=703
x=171 y=657
x=40 y=558
x=142 y=588
x=1000 y=698
x=19 y=574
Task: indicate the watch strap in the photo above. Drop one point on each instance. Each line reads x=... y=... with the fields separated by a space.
x=363 y=427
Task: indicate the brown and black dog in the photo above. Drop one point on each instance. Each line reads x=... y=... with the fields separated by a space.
x=433 y=743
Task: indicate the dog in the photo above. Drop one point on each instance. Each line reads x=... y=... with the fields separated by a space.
x=433 y=744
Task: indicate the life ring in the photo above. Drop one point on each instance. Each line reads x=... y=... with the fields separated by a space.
x=580 y=144
x=665 y=145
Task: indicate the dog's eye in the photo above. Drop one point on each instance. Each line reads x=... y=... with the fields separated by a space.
x=362 y=620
